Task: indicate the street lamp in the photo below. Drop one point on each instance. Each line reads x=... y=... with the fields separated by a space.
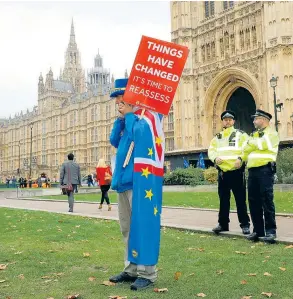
x=274 y=83
x=19 y=156
x=31 y=125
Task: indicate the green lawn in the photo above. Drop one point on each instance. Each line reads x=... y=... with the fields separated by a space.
x=44 y=258
x=283 y=200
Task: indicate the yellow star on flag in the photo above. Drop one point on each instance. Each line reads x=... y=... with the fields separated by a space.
x=155 y=211
x=149 y=194
x=158 y=140
x=145 y=172
x=150 y=152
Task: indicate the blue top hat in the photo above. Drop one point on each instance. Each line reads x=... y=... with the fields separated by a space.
x=119 y=87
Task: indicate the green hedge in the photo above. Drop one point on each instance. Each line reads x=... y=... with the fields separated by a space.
x=285 y=166
x=185 y=176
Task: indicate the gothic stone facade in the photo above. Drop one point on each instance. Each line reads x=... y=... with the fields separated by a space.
x=232 y=45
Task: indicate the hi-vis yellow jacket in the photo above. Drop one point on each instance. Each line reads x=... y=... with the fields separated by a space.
x=261 y=148
x=227 y=145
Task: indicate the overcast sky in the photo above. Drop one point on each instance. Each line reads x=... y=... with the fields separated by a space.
x=34 y=37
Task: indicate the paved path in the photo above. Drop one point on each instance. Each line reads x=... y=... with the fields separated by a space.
x=183 y=218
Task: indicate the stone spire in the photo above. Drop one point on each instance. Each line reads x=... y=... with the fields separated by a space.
x=73 y=71
x=72 y=34
x=41 y=85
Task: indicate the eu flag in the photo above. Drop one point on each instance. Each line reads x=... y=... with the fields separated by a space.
x=185 y=163
x=200 y=163
x=144 y=238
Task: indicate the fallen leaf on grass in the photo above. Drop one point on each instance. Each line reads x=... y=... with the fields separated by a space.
x=246 y=297
x=243 y=281
x=177 y=275
x=3 y=267
x=159 y=269
x=86 y=254
x=21 y=276
x=108 y=283
x=43 y=263
x=264 y=261
x=45 y=277
x=50 y=298
x=241 y=252
x=73 y=296
x=59 y=274
x=117 y=297
x=267 y=274
x=268 y=295
x=160 y=290
x=201 y=295
x=282 y=269
x=77 y=226
x=191 y=274
x=1 y=281
x=289 y=246
x=92 y=278
x=46 y=281
x=220 y=272
x=251 y=274
x=18 y=252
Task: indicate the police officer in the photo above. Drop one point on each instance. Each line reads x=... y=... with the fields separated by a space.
x=226 y=152
x=261 y=151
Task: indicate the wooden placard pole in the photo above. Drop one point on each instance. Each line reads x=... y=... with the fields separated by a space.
x=130 y=150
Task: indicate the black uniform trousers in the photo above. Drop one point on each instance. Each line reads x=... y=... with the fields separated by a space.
x=235 y=181
x=261 y=200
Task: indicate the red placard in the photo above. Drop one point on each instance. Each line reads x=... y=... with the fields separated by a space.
x=155 y=74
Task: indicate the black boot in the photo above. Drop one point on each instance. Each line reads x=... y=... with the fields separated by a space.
x=245 y=230
x=122 y=277
x=252 y=237
x=269 y=238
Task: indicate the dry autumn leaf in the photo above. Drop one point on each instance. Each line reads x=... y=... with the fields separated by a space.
x=191 y=274
x=246 y=297
x=201 y=295
x=21 y=276
x=108 y=283
x=86 y=254
x=243 y=281
x=160 y=290
x=92 y=278
x=267 y=274
x=289 y=246
x=220 y=272
x=251 y=274
x=45 y=277
x=177 y=275
x=3 y=267
x=73 y=296
x=241 y=252
x=117 y=297
x=268 y=295
x=50 y=298
x=282 y=269
x=1 y=281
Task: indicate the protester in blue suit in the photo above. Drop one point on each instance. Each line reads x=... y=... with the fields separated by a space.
x=139 y=187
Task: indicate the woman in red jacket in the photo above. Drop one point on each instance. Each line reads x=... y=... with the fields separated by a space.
x=104 y=176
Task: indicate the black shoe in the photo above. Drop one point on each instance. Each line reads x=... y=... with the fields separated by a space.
x=245 y=230
x=140 y=284
x=122 y=277
x=269 y=238
x=219 y=228
x=70 y=211
x=252 y=237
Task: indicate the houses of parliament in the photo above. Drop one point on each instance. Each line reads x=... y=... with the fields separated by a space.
x=236 y=47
